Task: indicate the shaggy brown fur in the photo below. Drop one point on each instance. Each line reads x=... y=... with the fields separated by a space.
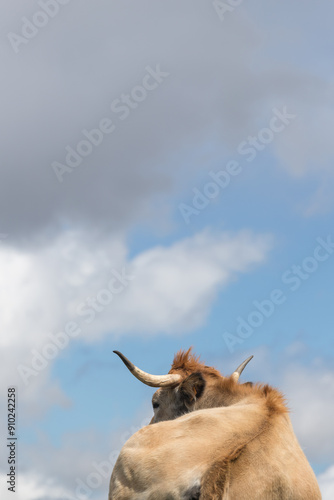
x=187 y=363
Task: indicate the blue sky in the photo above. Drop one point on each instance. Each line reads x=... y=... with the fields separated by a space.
x=218 y=86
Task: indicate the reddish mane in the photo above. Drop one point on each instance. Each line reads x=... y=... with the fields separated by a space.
x=188 y=363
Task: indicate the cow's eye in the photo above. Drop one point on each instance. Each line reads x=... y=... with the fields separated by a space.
x=155 y=405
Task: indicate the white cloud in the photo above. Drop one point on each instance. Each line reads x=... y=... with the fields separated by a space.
x=172 y=286
x=175 y=286
x=326 y=482
x=311 y=396
x=172 y=292
x=30 y=486
x=38 y=286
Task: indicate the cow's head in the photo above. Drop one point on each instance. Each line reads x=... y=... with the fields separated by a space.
x=190 y=385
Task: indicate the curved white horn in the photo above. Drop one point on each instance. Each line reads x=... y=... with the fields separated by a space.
x=236 y=374
x=147 y=378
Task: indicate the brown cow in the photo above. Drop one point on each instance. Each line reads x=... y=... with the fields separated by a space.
x=233 y=441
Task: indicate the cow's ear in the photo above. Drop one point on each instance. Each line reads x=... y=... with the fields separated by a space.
x=192 y=388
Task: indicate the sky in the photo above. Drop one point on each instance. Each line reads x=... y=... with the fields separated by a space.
x=166 y=181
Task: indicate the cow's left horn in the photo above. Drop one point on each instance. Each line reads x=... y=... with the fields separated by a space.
x=235 y=375
x=147 y=378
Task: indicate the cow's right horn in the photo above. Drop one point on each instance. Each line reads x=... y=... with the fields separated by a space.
x=148 y=379
x=236 y=374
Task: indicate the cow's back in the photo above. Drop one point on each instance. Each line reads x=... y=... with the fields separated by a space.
x=271 y=467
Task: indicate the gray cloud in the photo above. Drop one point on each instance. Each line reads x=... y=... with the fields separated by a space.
x=65 y=78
